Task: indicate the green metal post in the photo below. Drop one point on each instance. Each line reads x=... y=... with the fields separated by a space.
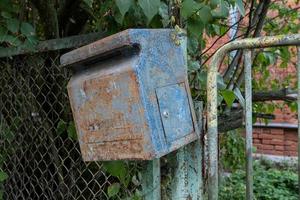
x=187 y=181
x=151 y=180
x=298 y=103
x=248 y=114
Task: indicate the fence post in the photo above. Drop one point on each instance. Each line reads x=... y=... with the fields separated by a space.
x=248 y=114
x=151 y=180
x=187 y=181
x=298 y=110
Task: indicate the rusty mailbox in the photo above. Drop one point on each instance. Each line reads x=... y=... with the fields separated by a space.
x=130 y=96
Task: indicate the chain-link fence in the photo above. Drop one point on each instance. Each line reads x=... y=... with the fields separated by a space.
x=39 y=153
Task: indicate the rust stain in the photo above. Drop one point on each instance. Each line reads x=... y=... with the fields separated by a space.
x=109 y=129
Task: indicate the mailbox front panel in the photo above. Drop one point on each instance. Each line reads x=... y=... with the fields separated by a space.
x=109 y=116
x=175 y=111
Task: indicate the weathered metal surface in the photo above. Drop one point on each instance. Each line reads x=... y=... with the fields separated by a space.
x=174 y=107
x=187 y=181
x=151 y=180
x=248 y=116
x=130 y=95
x=282 y=40
x=298 y=112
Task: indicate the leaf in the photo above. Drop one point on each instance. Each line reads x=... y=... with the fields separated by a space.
x=3 y=32
x=124 y=6
x=164 y=13
x=12 y=40
x=3 y=176
x=27 y=29
x=195 y=27
x=214 y=3
x=61 y=127
x=6 y=15
x=72 y=131
x=205 y=14
x=228 y=96
x=113 y=189
x=30 y=42
x=190 y=7
x=220 y=82
x=149 y=7
x=192 y=45
x=193 y=65
x=13 y=25
x=240 y=6
x=117 y=169
x=89 y=3
x=222 y=10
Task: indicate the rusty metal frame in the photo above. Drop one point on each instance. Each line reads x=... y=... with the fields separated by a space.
x=212 y=112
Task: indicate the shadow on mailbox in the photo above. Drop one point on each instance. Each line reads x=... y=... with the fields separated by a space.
x=130 y=96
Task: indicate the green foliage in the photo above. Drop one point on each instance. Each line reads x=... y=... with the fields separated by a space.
x=14 y=31
x=128 y=176
x=228 y=96
x=3 y=176
x=150 y=8
x=124 y=6
x=232 y=150
x=67 y=128
x=113 y=190
x=269 y=184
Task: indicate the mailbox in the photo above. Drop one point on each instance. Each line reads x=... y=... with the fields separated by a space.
x=130 y=96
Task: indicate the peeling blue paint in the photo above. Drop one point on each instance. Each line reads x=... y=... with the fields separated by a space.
x=119 y=96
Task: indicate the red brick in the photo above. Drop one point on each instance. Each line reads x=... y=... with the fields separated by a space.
x=256 y=141
x=290 y=143
x=255 y=135
x=266 y=141
x=267 y=147
x=266 y=130
x=265 y=136
x=258 y=146
x=277 y=131
x=277 y=141
x=279 y=153
x=280 y=148
x=291 y=148
x=290 y=153
x=270 y=136
x=292 y=137
x=272 y=152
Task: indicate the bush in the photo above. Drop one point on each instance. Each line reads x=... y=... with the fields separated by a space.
x=269 y=184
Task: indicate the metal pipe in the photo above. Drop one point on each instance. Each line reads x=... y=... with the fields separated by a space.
x=248 y=114
x=212 y=92
x=298 y=105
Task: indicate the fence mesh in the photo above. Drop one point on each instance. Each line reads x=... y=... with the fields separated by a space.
x=39 y=153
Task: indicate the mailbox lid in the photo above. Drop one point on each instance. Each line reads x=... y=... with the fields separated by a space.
x=175 y=111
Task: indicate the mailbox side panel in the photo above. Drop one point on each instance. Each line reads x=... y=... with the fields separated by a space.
x=108 y=112
x=162 y=63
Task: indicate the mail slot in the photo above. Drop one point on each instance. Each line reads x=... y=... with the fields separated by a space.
x=130 y=96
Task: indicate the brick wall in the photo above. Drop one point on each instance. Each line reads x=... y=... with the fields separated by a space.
x=275 y=141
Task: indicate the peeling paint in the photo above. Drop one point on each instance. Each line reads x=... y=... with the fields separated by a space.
x=116 y=107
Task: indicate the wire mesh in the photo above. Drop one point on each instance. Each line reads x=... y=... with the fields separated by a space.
x=39 y=153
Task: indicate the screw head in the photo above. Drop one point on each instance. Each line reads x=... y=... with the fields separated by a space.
x=165 y=114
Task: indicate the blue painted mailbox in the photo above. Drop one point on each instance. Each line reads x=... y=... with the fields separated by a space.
x=130 y=95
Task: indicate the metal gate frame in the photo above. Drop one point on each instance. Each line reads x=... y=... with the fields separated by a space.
x=212 y=112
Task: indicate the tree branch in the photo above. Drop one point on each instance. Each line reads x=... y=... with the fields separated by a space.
x=235 y=118
x=284 y=95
